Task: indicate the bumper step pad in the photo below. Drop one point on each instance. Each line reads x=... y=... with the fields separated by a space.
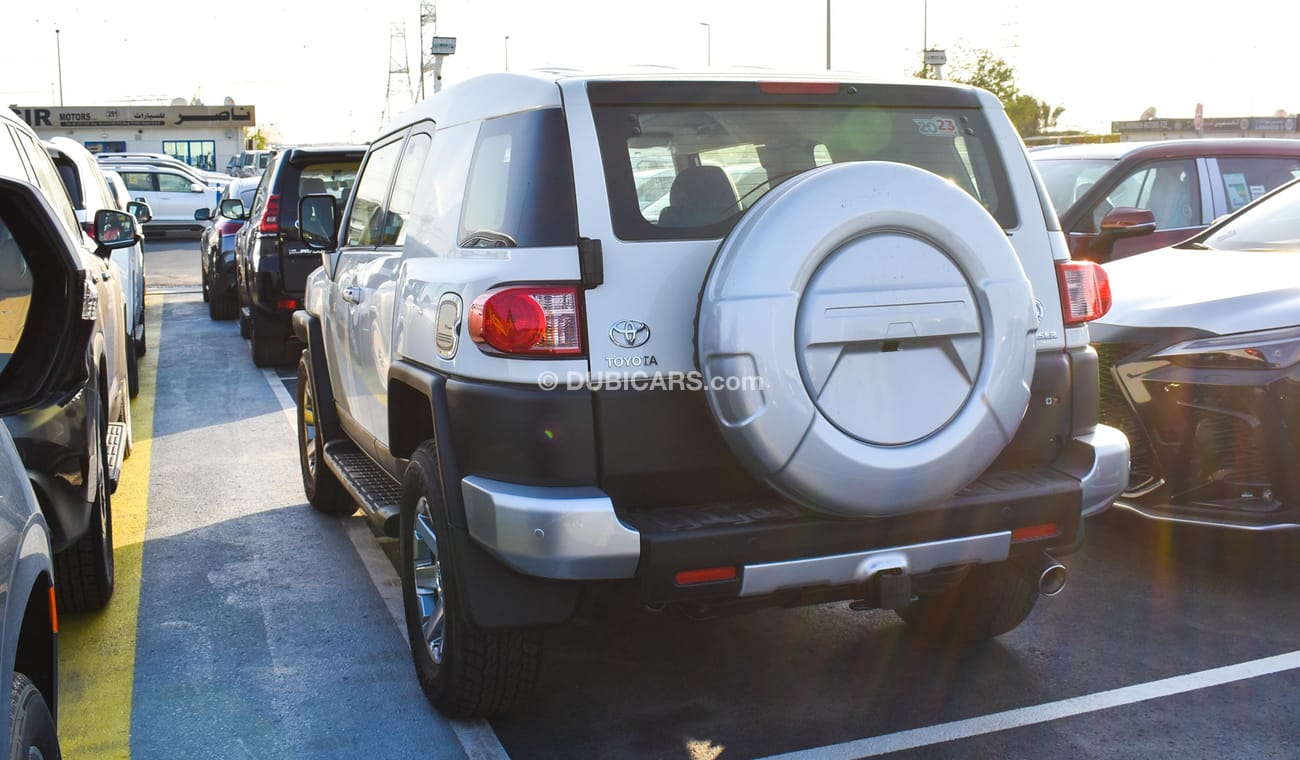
x=378 y=494
x=115 y=442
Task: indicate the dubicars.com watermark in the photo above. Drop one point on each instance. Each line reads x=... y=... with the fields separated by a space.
x=647 y=381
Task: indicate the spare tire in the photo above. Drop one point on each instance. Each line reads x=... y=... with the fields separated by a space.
x=866 y=336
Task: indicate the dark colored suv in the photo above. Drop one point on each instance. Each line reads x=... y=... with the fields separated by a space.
x=271 y=261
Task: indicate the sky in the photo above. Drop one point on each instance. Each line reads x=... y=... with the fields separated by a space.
x=319 y=71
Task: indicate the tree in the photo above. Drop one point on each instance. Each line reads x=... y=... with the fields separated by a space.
x=981 y=68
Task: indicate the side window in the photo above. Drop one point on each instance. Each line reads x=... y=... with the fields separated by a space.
x=15 y=294
x=366 y=222
x=408 y=177
x=139 y=182
x=173 y=183
x=47 y=179
x=520 y=189
x=1245 y=179
x=259 y=197
x=11 y=164
x=1169 y=189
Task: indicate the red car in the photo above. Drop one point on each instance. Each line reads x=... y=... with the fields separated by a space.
x=1118 y=199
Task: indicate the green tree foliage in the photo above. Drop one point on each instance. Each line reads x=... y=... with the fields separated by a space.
x=981 y=68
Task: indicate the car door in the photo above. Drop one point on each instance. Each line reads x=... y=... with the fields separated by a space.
x=1235 y=181
x=179 y=197
x=1170 y=188
x=362 y=232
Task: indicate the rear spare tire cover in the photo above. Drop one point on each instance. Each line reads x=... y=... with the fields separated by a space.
x=866 y=335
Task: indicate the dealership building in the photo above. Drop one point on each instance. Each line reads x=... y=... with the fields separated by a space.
x=202 y=136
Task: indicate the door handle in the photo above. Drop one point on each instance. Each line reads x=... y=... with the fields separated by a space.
x=352 y=294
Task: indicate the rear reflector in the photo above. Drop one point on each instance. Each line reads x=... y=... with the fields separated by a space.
x=1046 y=530
x=799 y=88
x=707 y=575
x=286 y=304
x=525 y=319
x=1085 y=291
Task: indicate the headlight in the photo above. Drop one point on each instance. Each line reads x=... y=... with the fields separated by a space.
x=1267 y=349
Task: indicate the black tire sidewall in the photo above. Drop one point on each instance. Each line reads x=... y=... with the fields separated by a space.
x=31 y=723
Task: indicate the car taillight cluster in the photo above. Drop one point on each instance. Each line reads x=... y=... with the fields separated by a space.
x=1085 y=291
x=89 y=228
x=228 y=226
x=525 y=319
x=270 y=221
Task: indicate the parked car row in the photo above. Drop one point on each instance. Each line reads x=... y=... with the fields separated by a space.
x=263 y=283
x=65 y=403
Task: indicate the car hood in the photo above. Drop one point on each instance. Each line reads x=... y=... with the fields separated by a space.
x=1218 y=292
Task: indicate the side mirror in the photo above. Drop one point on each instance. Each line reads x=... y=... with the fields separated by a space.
x=140 y=210
x=202 y=214
x=317 y=222
x=1123 y=222
x=232 y=208
x=196 y=187
x=114 y=230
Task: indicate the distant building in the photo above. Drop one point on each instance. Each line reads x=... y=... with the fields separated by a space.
x=1235 y=126
x=202 y=136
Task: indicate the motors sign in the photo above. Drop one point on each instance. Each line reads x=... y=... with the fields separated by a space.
x=71 y=117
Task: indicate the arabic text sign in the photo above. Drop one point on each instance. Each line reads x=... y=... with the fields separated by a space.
x=137 y=116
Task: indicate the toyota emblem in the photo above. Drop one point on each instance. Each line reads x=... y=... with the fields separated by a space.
x=629 y=333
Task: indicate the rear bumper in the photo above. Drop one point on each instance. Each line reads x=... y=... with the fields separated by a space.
x=574 y=533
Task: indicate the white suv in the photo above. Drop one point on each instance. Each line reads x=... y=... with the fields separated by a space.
x=845 y=358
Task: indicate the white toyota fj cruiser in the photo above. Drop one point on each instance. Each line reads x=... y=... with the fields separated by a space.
x=710 y=342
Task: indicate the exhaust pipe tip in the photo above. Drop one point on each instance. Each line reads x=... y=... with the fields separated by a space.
x=1052 y=579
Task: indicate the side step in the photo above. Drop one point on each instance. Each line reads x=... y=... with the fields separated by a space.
x=115 y=441
x=379 y=496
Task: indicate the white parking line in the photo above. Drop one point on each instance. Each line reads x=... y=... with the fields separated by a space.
x=476 y=737
x=1025 y=716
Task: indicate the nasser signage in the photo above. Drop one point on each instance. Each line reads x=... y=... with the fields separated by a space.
x=70 y=117
x=1230 y=124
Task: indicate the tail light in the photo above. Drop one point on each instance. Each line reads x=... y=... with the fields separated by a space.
x=528 y=319
x=89 y=227
x=1085 y=291
x=270 y=221
x=799 y=88
x=228 y=226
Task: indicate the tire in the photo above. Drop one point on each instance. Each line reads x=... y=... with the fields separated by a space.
x=990 y=601
x=33 y=734
x=223 y=308
x=132 y=366
x=245 y=323
x=324 y=492
x=464 y=671
x=206 y=287
x=142 y=345
x=267 y=352
x=83 y=572
x=909 y=286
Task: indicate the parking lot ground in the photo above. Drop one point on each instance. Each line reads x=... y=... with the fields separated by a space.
x=266 y=630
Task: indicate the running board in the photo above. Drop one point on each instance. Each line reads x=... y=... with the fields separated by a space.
x=115 y=449
x=379 y=496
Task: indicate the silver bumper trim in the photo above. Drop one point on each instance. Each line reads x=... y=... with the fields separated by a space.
x=859 y=567
x=1109 y=474
x=568 y=533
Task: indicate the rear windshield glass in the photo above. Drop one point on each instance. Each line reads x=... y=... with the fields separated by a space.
x=689 y=171
x=1067 y=179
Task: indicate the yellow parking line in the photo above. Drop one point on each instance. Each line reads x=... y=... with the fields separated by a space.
x=97 y=650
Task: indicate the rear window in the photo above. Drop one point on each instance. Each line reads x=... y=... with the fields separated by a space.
x=689 y=171
x=333 y=176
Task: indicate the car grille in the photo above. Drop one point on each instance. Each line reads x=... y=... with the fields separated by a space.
x=1227 y=449
x=1116 y=412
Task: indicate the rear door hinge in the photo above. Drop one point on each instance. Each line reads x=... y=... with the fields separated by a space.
x=591 y=262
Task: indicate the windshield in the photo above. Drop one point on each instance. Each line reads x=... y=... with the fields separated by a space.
x=1067 y=179
x=1270 y=225
x=688 y=171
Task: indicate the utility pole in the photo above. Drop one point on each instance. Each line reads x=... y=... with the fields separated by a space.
x=428 y=18
x=58 y=52
x=828 y=35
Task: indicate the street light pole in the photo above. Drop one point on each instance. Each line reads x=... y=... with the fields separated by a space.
x=507 y=52
x=708 y=43
x=828 y=35
x=58 y=52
